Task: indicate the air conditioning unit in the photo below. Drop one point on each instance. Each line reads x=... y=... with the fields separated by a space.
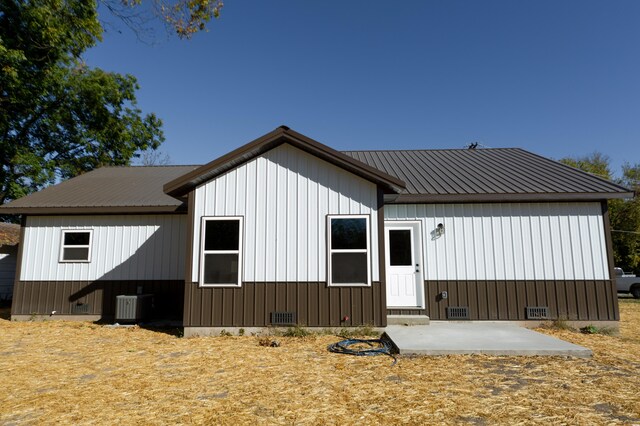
x=133 y=308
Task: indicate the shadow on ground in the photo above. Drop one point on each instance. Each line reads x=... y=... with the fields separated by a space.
x=5 y=310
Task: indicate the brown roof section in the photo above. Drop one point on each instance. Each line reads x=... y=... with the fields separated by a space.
x=9 y=234
x=453 y=175
x=106 y=190
x=282 y=134
x=497 y=174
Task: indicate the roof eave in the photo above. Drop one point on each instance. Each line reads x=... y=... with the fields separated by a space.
x=480 y=198
x=180 y=186
x=171 y=209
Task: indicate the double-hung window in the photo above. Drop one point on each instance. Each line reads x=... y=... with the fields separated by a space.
x=221 y=253
x=348 y=257
x=75 y=245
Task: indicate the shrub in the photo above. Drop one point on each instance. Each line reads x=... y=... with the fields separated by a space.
x=297 y=331
x=590 y=329
x=365 y=330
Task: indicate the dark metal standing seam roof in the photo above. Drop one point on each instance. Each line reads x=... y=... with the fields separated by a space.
x=180 y=186
x=135 y=189
x=495 y=174
x=449 y=175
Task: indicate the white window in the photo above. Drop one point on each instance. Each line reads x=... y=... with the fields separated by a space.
x=75 y=245
x=221 y=252
x=348 y=247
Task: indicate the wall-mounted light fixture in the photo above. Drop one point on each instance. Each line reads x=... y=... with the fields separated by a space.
x=443 y=295
x=437 y=232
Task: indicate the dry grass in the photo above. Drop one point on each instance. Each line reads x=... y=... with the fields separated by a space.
x=71 y=373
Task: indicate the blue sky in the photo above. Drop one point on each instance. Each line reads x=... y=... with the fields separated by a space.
x=558 y=78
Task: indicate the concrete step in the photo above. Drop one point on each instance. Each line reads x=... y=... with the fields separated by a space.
x=407 y=320
x=488 y=338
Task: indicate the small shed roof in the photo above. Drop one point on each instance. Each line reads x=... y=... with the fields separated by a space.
x=494 y=174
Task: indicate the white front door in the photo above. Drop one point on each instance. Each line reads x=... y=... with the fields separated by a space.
x=403 y=254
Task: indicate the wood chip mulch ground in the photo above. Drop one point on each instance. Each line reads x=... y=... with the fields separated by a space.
x=82 y=373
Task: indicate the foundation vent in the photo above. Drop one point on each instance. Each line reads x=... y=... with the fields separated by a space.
x=537 y=312
x=80 y=308
x=457 y=312
x=283 y=318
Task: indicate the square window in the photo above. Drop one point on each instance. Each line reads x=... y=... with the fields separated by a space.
x=222 y=235
x=349 y=233
x=76 y=246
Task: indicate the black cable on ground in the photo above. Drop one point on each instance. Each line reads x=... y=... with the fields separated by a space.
x=376 y=347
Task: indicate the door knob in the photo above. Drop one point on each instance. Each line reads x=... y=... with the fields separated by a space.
x=417 y=267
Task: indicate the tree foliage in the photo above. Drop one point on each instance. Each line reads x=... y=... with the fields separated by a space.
x=153 y=157
x=184 y=17
x=59 y=117
x=596 y=164
x=189 y=16
x=625 y=221
x=624 y=214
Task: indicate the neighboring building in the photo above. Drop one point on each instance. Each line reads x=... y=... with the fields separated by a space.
x=9 y=239
x=288 y=230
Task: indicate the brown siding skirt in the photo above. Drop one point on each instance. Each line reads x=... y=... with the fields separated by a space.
x=314 y=304
x=576 y=300
x=93 y=298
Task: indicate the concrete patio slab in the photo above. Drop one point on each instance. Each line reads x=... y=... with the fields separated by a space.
x=489 y=338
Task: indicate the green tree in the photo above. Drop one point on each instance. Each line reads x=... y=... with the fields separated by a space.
x=596 y=164
x=59 y=117
x=626 y=222
x=624 y=214
x=184 y=17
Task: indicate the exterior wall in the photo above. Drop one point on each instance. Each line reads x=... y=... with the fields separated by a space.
x=507 y=300
x=497 y=259
x=8 y=256
x=93 y=298
x=315 y=305
x=124 y=247
x=284 y=196
x=510 y=241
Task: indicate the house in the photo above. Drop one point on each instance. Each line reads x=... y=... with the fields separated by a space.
x=9 y=239
x=286 y=230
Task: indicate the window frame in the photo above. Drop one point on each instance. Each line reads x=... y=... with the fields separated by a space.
x=204 y=252
x=330 y=250
x=66 y=231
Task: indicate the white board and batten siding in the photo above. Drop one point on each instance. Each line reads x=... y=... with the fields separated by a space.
x=510 y=241
x=126 y=247
x=285 y=196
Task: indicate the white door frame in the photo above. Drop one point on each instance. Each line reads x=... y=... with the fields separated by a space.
x=416 y=229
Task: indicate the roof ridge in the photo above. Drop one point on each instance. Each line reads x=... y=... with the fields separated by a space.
x=428 y=149
x=140 y=166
